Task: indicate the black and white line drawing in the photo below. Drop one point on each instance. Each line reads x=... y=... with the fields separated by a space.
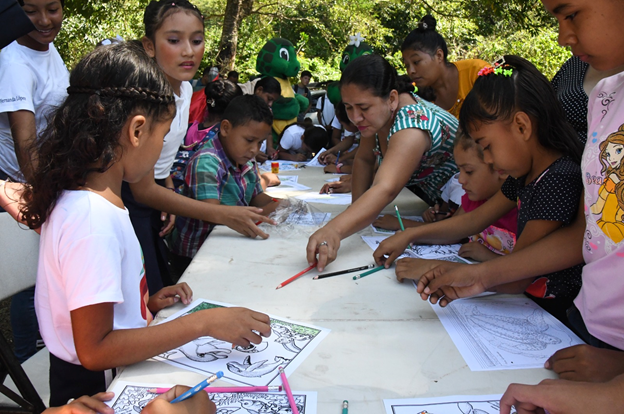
x=486 y=404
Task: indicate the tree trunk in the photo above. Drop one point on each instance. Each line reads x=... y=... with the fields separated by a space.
x=235 y=12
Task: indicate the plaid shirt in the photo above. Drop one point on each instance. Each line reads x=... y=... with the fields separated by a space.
x=211 y=175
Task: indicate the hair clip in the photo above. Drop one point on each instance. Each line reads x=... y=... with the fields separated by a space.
x=499 y=62
x=97 y=92
x=415 y=87
x=485 y=71
x=423 y=25
x=508 y=72
x=211 y=103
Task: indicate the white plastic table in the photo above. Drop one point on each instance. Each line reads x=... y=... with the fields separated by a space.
x=385 y=342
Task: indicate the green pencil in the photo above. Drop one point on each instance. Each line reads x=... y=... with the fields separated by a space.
x=370 y=272
x=401 y=222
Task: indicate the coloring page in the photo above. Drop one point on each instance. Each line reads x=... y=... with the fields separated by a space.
x=315 y=162
x=494 y=333
x=336 y=199
x=457 y=404
x=283 y=165
x=332 y=180
x=131 y=398
x=289 y=344
x=288 y=186
x=391 y=232
x=446 y=252
x=308 y=219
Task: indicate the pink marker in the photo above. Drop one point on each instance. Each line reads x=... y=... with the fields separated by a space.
x=291 y=399
x=214 y=390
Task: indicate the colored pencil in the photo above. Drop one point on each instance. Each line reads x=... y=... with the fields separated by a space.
x=199 y=387
x=401 y=222
x=337 y=157
x=291 y=399
x=370 y=272
x=345 y=407
x=342 y=272
x=214 y=390
x=303 y=272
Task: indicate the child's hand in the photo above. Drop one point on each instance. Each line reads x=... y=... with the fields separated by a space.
x=450 y=281
x=387 y=222
x=243 y=220
x=198 y=403
x=168 y=223
x=239 y=326
x=261 y=157
x=85 y=405
x=327 y=158
x=409 y=268
x=300 y=157
x=330 y=169
x=477 y=251
x=170 y=295
x=336 y=187
x=586 y=363
x=392 y=247
x=270 y=179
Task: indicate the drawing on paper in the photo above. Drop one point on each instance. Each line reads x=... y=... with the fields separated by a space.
x=256 y=364
x=504 y=333
x=131 y=399
x=489 y=404
x=434 y=251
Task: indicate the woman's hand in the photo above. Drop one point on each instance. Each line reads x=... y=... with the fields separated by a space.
x=323 y=247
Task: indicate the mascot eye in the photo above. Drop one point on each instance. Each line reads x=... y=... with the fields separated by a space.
x=345 y=59
x=283 y=53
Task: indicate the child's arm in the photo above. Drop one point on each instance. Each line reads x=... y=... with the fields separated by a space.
x=285 y=155
x=390 y=222
x=329 y=156
x=197 y=404
x=85 y=405
x=267 y=203
x=446 y=231
x=24 y=133
x=557 y=251
x=100 y=347
x=239 y=219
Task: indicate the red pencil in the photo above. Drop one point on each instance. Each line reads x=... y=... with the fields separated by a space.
x=303 y=272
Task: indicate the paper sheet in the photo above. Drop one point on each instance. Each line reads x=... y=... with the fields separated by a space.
x=308 y=219
x=446 y=252
x=455 y=404
x=289 y=344
x=494 y=333
x=131 y=398
x=288 y=183
x=283 y=165
x=314 y=162
x=335 y=199
x=332 y=180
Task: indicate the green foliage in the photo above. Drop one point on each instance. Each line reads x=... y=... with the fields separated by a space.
x=320 y=29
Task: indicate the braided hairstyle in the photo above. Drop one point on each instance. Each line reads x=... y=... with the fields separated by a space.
x=108 y=86
x=157 y=11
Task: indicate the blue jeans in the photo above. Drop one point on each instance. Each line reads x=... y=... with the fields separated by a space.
x=24 y=324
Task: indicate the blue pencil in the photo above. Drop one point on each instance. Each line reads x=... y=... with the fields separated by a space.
x=337 y=157
x=199 y=387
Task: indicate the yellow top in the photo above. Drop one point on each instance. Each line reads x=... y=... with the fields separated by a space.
x=468 y=70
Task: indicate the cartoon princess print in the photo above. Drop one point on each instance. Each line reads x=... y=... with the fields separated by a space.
x=610 y=203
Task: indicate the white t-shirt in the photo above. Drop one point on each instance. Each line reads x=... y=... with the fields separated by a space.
x=328 y=111
x=176 y=134
x=453 y=191
x=33 y=81
x=291 y=140
x=88 y=254
x=602 y=293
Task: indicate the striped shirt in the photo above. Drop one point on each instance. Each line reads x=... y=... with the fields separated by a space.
x=437 y=165
x=210 y=175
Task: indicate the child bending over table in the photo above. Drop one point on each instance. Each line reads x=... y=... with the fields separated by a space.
x=224 y=171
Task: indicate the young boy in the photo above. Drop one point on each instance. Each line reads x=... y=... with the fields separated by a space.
x=224 y=171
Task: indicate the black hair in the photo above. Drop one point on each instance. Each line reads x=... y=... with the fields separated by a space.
x=341 y=113
x=425 y=38
x=157 y=11
x=374 y=73
x=465 y=143
x=269 y=85
x=21 y=3
x=315 y=137
x=232 y=73
x=305 y=73
x=497 y=97
x=107 y=87
x=247 y=108
x=219 y=94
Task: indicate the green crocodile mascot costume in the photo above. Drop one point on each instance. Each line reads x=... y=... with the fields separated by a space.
x=357 y=47
x=278 y=58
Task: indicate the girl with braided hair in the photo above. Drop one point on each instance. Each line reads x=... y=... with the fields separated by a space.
x=92 y=299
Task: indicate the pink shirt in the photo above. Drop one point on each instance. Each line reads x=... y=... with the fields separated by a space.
x=601 y=299
x=500 y=237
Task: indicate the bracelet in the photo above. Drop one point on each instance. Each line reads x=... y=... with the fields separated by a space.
x=338 y=166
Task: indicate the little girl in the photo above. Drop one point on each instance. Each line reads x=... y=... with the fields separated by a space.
x=513 y=114
x=299 y=142
x=91 y=298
